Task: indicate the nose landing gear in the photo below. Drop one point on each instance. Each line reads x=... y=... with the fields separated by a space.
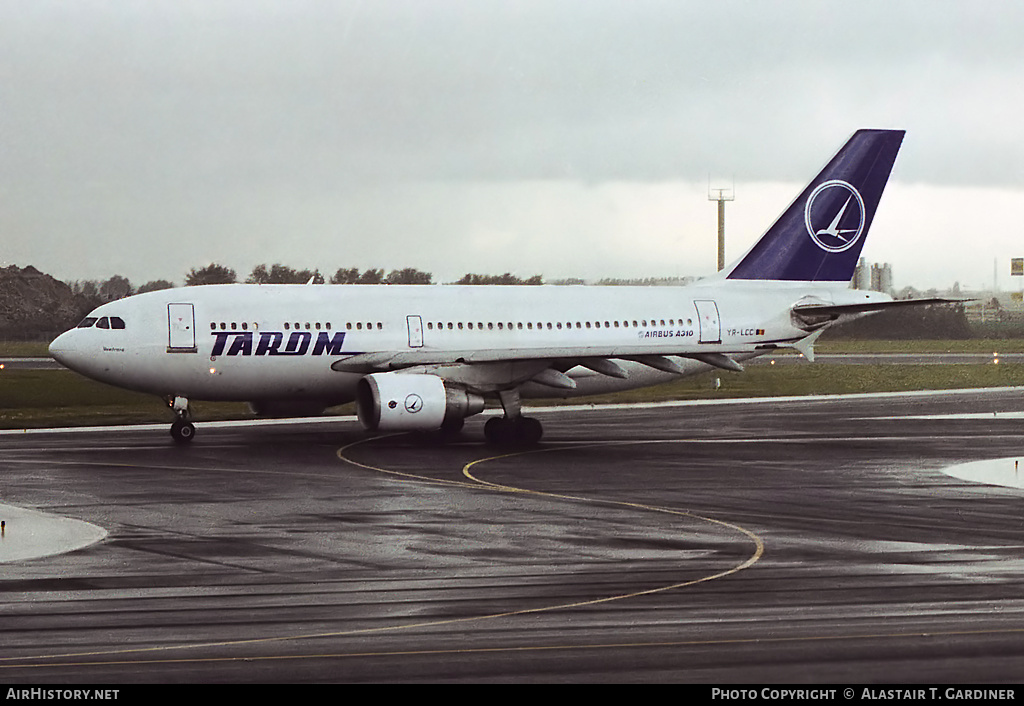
x=182 y=430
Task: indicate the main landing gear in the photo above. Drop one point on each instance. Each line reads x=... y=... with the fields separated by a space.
x=182 y=430
x=513 y=429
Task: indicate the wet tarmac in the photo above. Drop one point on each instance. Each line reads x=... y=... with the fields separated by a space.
x=810 y=540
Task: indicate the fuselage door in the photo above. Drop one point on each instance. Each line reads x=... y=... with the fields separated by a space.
x=707 y=317
x=181 y=328
x=415 y=324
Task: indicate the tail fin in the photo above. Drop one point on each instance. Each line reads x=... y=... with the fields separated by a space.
x=820 y=235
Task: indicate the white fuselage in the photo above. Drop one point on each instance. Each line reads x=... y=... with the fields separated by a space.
x=278 y=342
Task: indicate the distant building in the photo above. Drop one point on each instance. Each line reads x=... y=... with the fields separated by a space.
x=881 y=278
x=861 y=277
x=876 y=277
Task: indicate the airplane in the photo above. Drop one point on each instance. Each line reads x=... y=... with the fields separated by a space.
x=426 y=357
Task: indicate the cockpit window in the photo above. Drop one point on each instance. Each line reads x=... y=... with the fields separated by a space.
x=87 y=322
x=107 y=322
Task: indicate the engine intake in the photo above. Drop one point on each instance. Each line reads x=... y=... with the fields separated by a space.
x=412 y=402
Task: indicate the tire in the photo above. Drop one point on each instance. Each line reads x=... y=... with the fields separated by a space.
x=183 y=432
x=504 y=432
x=530 y=431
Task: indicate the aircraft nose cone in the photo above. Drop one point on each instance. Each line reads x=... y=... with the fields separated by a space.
x=61 y=349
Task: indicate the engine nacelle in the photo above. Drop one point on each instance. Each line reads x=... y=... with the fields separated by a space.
x=412 y=402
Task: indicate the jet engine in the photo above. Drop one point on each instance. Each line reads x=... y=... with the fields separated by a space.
x=413 y=402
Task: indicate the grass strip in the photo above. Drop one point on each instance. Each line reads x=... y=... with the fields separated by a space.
x=45 y=398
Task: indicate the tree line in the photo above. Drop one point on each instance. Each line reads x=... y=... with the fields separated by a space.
x=118 y=287
x=280 y=274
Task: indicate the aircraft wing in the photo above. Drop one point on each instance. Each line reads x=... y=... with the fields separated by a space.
x=599 y=358
x=388 y=360
x=497 y=368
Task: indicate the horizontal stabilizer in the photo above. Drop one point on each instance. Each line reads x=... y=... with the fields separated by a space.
x=839 y=309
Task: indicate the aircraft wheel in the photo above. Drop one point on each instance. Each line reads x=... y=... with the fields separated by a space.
x=183 y=432
x=495 y=431
x=530 y=431
x=524 y=431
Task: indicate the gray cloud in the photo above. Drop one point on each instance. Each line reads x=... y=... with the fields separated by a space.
x=209 y=126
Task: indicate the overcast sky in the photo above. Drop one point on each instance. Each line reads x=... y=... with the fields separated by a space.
x=563 y=138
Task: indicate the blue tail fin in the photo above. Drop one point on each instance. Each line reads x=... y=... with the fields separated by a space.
x=820 y=235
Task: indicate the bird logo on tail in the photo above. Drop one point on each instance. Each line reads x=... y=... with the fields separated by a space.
x=846 y=224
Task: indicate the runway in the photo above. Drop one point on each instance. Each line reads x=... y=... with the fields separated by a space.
x=801 y=540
